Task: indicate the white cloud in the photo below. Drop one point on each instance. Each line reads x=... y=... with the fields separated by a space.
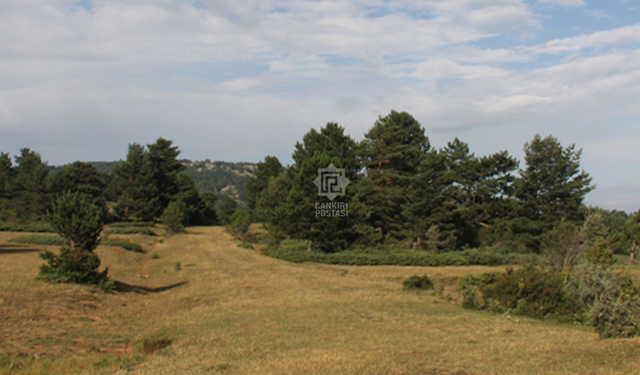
x=565 y=3
x=442 y=69
x=599 y=14
x=621 y=36
x=241 y=80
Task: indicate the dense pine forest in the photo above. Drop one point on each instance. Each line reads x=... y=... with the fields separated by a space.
x=402 y=192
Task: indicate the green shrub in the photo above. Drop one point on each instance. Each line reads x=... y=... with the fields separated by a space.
x=528 y=292
x=177 y=266
x=129 y=246
x=619 y=318
x=174 y=217
x=296 y=251
x=239 y=223
x=155 y=255
x=80 y=222
x=418 y=282
x=485 y=257
x=74 y=266
x=40 y=240
x=612 y=300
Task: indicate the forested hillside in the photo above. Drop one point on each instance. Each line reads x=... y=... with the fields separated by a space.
x=218 y=177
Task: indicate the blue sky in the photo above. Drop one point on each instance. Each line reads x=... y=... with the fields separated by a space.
x=239 y=80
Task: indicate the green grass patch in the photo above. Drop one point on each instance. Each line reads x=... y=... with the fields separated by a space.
x=418 y=282
x=69 y=364
x=127 y=245
x=59 y=241
x=128 y=224
x=129 y=230
x=40 y=240
x=34 y=227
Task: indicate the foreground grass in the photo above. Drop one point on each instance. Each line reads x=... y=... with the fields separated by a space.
x=234 y=311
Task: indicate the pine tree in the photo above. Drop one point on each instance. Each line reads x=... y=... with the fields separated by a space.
x=430 y=206
x=134 y=184
x=268 y=169
x=481 y=188
x=79 y=222
x=297 y=216
x=27 y=187
x=6 y=177
x=227 y=208
x=6 y=174
x=392 y=154
x=79 y=177
x=165 y=168
x=551 y=187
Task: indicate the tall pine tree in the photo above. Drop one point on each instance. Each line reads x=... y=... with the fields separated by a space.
x=135 y=187
x=550 y=188
x=392 y=154
x=165 y=168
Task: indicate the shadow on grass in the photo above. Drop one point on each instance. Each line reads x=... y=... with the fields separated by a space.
x=128 y=288
x=17 y=249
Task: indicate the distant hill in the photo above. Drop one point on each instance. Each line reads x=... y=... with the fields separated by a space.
x=219 y=177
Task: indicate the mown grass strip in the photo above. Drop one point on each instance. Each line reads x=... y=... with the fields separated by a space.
x=33 y=227
x=45 y=240
x=129 y=230
x=59 y=241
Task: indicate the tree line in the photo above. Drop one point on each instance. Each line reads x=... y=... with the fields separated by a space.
x=405 y=193
x=148 y=184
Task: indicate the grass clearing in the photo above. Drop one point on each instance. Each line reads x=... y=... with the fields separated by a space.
x=233 y=311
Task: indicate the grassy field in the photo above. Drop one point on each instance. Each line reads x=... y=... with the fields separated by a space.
x=228 y=310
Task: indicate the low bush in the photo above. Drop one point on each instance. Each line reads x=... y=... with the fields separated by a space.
x=296 y=252
x=239 y=223
x=613 y=300
x=527 y=292
x=74 y=266
x=129 y=246
x=418 y=282
x=619 y=318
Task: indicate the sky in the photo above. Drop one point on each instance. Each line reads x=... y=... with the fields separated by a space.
x=237 y=80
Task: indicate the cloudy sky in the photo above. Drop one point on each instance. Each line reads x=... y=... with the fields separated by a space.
x=238 y=80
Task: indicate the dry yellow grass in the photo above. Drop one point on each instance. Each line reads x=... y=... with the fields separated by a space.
x=233 y=311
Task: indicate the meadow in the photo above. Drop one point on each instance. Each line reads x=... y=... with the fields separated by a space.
x=196 y=303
